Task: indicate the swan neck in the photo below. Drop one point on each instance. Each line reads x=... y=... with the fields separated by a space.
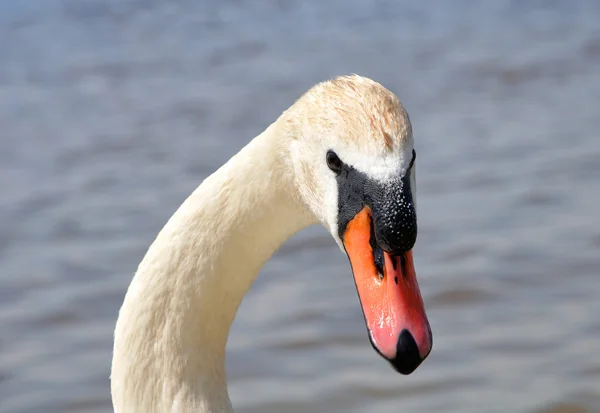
x=173 y=326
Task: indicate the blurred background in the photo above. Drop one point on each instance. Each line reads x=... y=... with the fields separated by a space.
x=112 y=112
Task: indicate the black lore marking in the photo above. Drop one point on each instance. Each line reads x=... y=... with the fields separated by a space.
x=391 y=204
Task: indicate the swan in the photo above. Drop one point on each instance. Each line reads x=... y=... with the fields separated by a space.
x=342 y=155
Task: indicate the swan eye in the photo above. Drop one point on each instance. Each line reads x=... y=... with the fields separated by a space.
x=412 y=161
x=334 y=162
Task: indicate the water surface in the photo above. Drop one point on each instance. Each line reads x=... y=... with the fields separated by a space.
x=113 y=112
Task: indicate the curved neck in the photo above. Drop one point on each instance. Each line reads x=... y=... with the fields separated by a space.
x=169 y=352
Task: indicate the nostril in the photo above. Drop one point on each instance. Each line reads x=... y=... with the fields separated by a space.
x=407 y=354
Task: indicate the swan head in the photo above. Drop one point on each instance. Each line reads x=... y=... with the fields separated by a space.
x=351 y=147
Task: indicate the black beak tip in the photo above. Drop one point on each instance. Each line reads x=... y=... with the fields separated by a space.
x=407 y=354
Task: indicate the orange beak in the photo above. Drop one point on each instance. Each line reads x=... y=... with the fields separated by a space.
x=391 y=302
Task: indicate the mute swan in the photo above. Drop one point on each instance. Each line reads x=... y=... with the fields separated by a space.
x=341 y=155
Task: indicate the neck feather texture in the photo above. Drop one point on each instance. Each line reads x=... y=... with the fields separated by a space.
x=169 y=352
